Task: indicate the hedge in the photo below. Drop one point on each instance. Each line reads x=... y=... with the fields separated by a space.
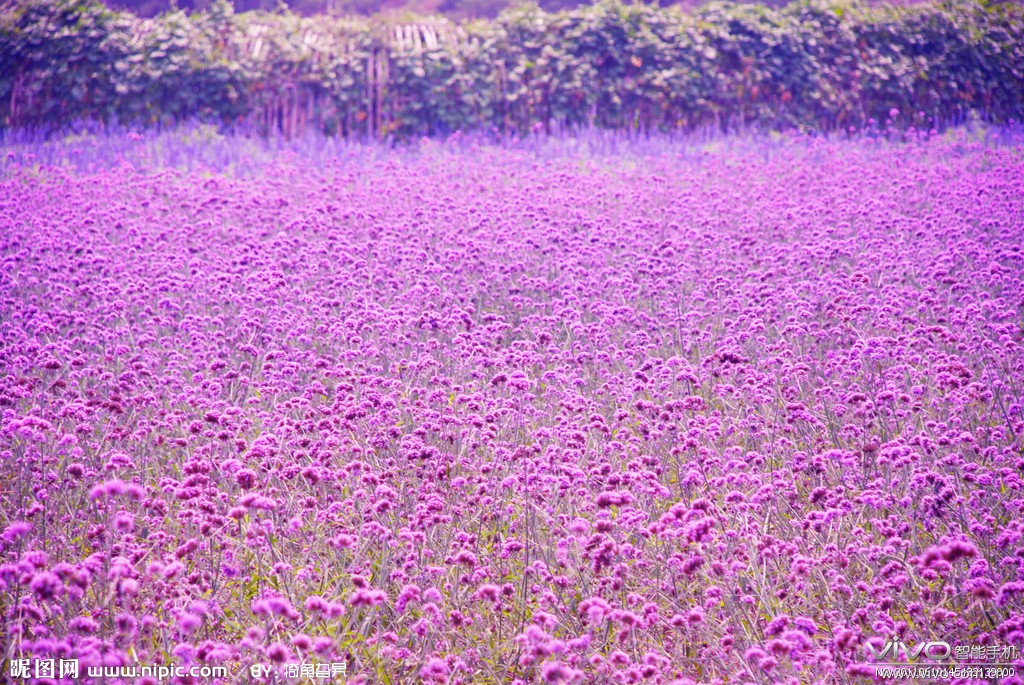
x=809 y=65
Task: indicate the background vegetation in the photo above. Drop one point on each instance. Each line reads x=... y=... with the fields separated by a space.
x=460 y=9
x=610 y=65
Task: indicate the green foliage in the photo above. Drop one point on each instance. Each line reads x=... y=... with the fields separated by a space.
x=808 y=65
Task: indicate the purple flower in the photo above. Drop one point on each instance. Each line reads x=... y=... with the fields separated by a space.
x=16 y=530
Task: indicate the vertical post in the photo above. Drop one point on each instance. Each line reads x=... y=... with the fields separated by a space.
x=382 y=82
x=378 y=88
x=371 y=99
x=293 y=110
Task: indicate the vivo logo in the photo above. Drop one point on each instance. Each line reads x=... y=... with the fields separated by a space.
x=934 y=650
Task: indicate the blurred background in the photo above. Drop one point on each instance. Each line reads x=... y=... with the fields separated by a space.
x=317 y=65
x=458 y=9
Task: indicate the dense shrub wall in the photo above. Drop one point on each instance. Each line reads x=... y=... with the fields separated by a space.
x=610 y=65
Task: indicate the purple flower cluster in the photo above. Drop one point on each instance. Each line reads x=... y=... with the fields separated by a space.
x=469 y=417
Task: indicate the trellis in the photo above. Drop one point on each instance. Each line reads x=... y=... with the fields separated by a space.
x=295 y=104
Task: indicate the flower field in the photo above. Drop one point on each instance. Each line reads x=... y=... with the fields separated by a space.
x=469 y=415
